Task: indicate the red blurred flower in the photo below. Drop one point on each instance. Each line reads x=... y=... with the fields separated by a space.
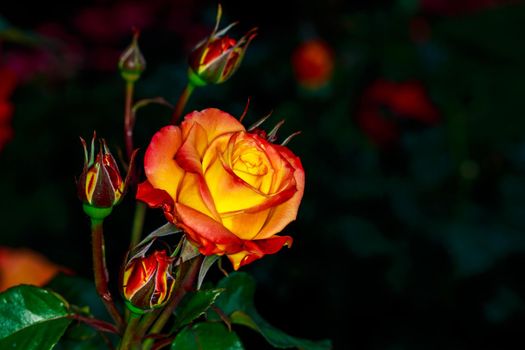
x=384 y=103
x=24 y=266
x=8 y=80
x=313 y=64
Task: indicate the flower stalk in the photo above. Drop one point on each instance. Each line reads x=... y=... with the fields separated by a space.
x=129 y=119
x=131 y=66
x=183 y=100
x=101 y=273
x=129 y=340
x=187 y=283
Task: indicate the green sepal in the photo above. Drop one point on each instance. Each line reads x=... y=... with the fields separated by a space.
x=130 y=76
x=194 y=79
x=96 y=213
x=134 y=309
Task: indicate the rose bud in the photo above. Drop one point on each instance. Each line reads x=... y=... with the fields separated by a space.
x=132 y=63
x=100 y=185
x=147 y=281
x=216 y=58
x=230 y=189
x=313 y=64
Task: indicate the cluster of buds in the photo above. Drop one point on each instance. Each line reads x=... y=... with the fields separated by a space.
x=100 y=185
x=216 y=58
x=147 y=281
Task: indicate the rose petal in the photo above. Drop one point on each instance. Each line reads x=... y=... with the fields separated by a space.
x=230 y=192
x=191 y=195
x=161 y=170
x=156 y=198
x=214 y=121
x=189 y=157
x=205 y=226
x=286 y=212
x=254 y=250
x=191 y=151
x=246 y=226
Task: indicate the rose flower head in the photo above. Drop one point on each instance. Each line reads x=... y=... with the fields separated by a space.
x=100 y=184
x=231 y=190
x=216 y=58
x=147 y=281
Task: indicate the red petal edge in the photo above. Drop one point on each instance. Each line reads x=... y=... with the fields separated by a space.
x=156 y=198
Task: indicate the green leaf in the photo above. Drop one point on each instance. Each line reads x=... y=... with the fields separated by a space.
x=80 y=336
x=31 y=318
x=194 y=305
x=205 y=336
x=237 y=303
x=80 y=292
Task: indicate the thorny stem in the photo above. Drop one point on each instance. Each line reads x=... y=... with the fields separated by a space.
x=186 y=285
x=130 y=335
x=181 y=103
x=101 y=272
x=147 y=321
x=129 y=119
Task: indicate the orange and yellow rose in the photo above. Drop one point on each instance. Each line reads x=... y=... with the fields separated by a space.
x=230 y=190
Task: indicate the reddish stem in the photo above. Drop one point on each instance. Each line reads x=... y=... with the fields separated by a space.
x=129 y=120
x=187 y=284
x=101 y=272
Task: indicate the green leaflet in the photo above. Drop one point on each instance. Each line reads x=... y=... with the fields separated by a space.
x=207 y=336
x=237 y=303
x=31 y=318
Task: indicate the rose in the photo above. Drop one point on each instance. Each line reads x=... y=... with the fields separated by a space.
x=230 y=190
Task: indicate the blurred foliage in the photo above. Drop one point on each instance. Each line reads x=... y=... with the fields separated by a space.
x=419 y=244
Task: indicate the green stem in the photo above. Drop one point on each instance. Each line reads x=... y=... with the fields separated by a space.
x=181 y=103
x=101 y=272
x=129 y=120
x=138 y=224
x=129 y=337
x=146 y=322
x=186 y=285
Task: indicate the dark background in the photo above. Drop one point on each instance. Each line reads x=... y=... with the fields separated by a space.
x=414 y=242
